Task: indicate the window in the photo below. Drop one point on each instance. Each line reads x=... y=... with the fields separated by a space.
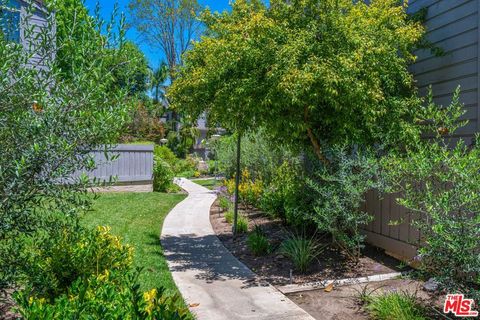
x=10 y=20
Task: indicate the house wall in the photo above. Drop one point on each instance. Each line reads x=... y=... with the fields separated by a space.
x=454 y=26
x=38 y=20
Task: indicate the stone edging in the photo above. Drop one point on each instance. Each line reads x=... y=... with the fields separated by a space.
x=292 y=288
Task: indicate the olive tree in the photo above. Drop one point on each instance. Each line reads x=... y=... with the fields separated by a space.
x=48 y=124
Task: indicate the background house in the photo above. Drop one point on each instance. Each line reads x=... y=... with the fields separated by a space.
x=452 y=25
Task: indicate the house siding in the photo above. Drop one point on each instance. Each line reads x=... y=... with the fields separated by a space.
x=454 y=27
x=38 y=20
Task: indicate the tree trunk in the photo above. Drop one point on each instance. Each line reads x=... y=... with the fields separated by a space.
x=314 y=141
x=237 y=183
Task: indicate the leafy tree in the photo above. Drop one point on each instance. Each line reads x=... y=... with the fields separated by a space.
x=74 y=26
x=50 y=118
x=131 y=72
x=313 y=72
x=169 y=25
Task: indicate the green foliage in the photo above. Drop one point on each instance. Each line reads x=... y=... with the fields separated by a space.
x=242 y=221
x=339 y=192
x=186 y=167
x=162 y=176
x=79 y=33
x=257 y=242
x=439 y=183
x=132 y=72
x=181 y=167
x=260 y=156
x=182 y=142
x=167 y=155
x=47 y=134
x=224 y=203
x=283 y=197
x=301 y=250
x=145 y=124
x=53 y=261
x=108 y=295
x=229 y=216
x=305 y=70
x=395 y=305
x=242 y=224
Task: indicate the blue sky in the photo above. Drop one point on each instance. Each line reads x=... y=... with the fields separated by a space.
x=154 y=56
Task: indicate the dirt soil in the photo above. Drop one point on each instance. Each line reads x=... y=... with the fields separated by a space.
x=344 y=303
x=275 y=268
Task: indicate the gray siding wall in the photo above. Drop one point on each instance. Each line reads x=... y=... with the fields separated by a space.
x=454 y=26
x=38 y=20
x=133 y=164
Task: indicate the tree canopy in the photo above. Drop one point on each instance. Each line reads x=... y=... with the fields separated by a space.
x=312 y=72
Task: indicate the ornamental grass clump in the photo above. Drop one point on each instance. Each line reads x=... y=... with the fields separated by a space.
x=257 y=242
x=395 y=306
x=242 y=224
x=301 y=250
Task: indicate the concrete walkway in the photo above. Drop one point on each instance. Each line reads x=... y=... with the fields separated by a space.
x=212 y=281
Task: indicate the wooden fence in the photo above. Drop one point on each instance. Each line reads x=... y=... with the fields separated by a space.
x=133 y=164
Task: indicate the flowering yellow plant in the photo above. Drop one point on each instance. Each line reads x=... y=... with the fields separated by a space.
x=249 y=191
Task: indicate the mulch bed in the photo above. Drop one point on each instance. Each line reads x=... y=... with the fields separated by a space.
x=275 y=268
x=6 y=305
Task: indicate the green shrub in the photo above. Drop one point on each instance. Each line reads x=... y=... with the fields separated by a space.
x=439 y=181
x=47 y=136
x=162 y=176
x=53 y=261
x=107 y=295
x=257 y=242
x=167 y=155
x=229 y=215
x=87 y=274
x=301 y=251
x=224 y=203
x=339 y=191
x=395 y=306
x=242 y=224
x=283 y=197
x=261 y=156
x=212 y=167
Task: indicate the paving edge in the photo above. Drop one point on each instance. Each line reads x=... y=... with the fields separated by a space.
x=292 y=288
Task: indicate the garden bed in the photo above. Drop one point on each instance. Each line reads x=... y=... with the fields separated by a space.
x=346 y=302
x=275 y=268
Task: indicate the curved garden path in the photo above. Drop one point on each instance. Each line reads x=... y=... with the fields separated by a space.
x=212 y=281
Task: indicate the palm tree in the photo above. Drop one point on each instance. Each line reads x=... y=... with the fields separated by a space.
x=157 y=80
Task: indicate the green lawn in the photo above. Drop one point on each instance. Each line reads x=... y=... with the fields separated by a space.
x=138 y=219
x=209 y=183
